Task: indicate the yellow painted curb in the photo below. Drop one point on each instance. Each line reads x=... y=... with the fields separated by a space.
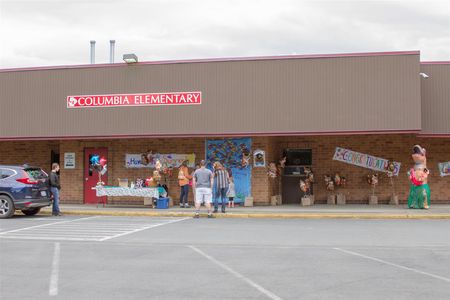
x=256 y=215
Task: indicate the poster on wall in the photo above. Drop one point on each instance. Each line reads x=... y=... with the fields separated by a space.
x=148 y=160
x=234 y=155
x=69 y=160
x=364 y=160
x=444 y=168
x=259 y=159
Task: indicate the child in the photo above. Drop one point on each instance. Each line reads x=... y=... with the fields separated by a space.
x=231 y=193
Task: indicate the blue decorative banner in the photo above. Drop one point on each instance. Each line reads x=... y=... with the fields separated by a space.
x=234 y=155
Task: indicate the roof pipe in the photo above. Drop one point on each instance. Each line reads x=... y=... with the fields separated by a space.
x=92 y=52
x=112 y=44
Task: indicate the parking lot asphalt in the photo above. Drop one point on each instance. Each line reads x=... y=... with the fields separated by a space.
x=115 y=257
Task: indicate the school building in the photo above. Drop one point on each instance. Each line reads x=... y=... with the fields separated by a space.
x=300 y=106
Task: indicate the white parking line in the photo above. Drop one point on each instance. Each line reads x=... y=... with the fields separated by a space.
x=141 y=229
x=48 y=224
x=54 y=277
x=392 y=264
x=236 y=274
x=100 y=229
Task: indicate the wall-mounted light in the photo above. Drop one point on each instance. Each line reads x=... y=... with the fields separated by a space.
x=130 y=58
x=424 y=76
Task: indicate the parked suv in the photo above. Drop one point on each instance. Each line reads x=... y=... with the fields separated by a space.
x=23 y=188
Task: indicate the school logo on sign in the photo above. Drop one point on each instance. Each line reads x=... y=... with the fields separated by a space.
x=72 y=102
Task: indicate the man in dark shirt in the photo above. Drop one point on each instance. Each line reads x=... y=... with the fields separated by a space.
x=55 y=186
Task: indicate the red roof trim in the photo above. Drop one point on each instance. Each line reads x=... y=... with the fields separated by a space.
x=241 y=134
x=250 y=58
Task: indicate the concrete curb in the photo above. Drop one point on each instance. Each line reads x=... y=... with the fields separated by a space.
x=258 y=215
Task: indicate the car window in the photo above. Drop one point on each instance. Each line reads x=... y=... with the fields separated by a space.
x=36 y=174
x=5 y=173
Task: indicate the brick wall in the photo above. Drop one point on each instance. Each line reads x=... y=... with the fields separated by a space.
x=36 y=153
x=392 y=147
x=396 y=147
x=72 y=179
x=261 y=188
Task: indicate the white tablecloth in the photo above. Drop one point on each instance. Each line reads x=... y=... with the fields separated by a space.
x=124 y=191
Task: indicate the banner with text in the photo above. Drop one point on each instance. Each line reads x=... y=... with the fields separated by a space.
x=364 y=160
x=444 y=168
x=146 y=99
x=169 y=160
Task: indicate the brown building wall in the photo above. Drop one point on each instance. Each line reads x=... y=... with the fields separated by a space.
x=435 y=92
x=271 y=96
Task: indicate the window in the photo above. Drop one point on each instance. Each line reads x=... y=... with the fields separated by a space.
x=5 y=173
x=36 y=174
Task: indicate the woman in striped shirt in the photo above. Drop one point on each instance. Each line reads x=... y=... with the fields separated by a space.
x=222 y=180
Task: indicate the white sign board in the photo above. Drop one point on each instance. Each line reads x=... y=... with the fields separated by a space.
x=166 y=160
x=69 y=160
x=364 y=160
x=444 y=168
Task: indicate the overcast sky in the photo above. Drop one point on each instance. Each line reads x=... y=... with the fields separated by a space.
x=57 y=32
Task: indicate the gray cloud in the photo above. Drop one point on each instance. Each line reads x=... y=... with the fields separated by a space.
x=36 y=33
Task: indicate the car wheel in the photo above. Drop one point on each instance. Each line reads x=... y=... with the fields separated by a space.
x=32 y=211
x=6 y=207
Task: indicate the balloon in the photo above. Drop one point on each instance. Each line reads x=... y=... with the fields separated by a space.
x=330 y=185
x=311 y=177
x=158 y=165
x=95 y=159
x=102 y=161
x=98 y=168
x=144 y=159
x=103 y=172
x=372 y=179
x=343 y=181
x=282 y=162
x=272 y=170
x=303 y=186
x=390 y=167
x=337 y=179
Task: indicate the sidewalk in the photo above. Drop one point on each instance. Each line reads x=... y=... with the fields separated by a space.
x=319 y=211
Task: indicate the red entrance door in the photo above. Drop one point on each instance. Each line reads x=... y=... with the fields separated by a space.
x=91 y=176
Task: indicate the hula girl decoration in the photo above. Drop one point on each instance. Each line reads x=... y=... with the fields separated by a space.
x=419 y=191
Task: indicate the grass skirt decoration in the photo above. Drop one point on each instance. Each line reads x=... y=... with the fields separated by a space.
x=419 y=196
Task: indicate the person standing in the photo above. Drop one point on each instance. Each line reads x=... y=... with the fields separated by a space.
x=197 y=166
x=55 y=187
x=202 y=182
x=231 y=193
x=183 y=181
x=222 y=181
